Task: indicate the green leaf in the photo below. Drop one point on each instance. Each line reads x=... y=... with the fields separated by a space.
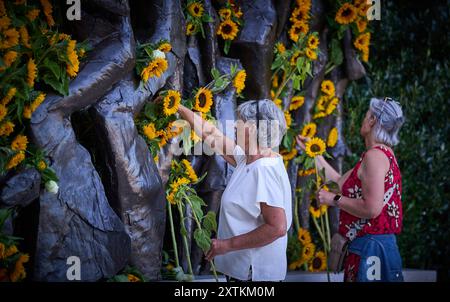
x=203 y=240
x=53 y=67
x=215 y=73
x=336 y=55
x=210 y=222
x=150 y=111
x=59 y=86
x=226 y=47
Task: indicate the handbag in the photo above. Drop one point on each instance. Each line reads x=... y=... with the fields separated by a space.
x=339 y=247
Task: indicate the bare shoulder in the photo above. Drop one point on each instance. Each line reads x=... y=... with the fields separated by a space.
x=375 y=159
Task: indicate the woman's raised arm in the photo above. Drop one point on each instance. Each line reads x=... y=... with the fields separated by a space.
x=209 y=133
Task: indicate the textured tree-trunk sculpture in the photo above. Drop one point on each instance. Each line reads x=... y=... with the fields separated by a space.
x=118 y=217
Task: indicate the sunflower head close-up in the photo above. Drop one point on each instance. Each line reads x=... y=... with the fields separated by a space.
x=195 y=9
x=346 y=14
x=228 y=30
x=315 y=147
x=171 y=102
x=203 y=100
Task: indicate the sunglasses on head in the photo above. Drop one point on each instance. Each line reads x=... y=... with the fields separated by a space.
x=386 y=99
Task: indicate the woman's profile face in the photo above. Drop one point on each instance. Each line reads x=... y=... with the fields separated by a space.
x=367 y=124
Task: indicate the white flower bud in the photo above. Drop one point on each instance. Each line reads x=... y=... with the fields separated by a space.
x=52 y=186
x=158 y=54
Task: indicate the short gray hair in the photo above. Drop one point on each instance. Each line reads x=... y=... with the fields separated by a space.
x=272 y=123
x=389 y=120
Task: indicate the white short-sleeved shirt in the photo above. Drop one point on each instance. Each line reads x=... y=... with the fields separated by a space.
x=264 y=180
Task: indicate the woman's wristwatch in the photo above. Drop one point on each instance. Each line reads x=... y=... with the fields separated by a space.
x=337 y=198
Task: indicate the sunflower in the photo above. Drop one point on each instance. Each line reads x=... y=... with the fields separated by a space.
x=74 y=63
x=279 y=103
x=315 y=212
x=304 y=236
x=24 y=36
x=306 y=172
x=228 y=30
x=294 y=265
x=9 y=58
x=309 y=130
x=15 y=160
x=365 y=55
x=331 y=106
x=313 y=42
x=332 y=137
x=194 y=137
x=37 y=101
x=327 y=87
x=297 y=29
x=294 y=58
x=361 y=24
x=361 y=7
x=314 y=147
x=275 y=81
x=346 y=14
x=11 y=38
x=19 y=271
x=5 y=22
x=321 y=102
x=195 y=9
x=318 y=262
x=9 y=95
x=239 y=81
x=171 y=102
x=3 y=112
x=32 y=71
x=299 y=14
x=48 y=10
x=311 y=54
x=304 y=4
x=190 y=29
x=203 y=100
x=190 y=171
x=225 y=13
x=155 y=67
x=318 y=115
x=133 y=278
x=33 y=14
x=308 y=251
x=10 y=251
x=362 y=42
x=288 y=118
x=296 y=102
x=6 y=128
x=171 y=198
x=41 y=165
x=165 y=47
x=280 y=47
x=179 y=182
x=287 y=156
x=323 y=207
x=150 y=131
x=19 y=143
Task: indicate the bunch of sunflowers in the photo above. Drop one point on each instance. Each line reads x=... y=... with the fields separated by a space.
x=355 y=15
x=33 y=56
x=195 y=17
x=11 y=259
x=151 y=59
x=302 y=252
x=300 y=17
x=327 y=102
x=230 y=22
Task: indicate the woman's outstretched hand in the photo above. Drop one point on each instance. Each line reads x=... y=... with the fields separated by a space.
x=218 y=247
x=301 y=140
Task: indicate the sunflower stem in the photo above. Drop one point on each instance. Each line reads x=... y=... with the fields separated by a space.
x=172 y=232
x=185 y=242
x=281 y=87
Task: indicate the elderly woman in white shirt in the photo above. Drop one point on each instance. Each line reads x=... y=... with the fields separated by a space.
x=255 y=211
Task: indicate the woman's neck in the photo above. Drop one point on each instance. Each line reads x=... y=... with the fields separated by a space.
x=370 y=142
x=259 y=153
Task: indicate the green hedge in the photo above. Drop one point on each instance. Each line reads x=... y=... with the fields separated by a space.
x=409 y=61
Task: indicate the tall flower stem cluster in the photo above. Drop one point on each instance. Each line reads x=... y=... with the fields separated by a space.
x=195 y=17
x=34 y=55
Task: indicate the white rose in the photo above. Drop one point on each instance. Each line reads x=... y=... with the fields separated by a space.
x=52 y=186
x=158 y=54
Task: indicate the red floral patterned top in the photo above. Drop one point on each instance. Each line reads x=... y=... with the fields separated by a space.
x=390 y=219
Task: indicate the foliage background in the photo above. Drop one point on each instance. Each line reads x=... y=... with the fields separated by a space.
x=409 y=61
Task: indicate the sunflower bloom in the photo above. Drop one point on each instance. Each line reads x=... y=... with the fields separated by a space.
x=288 y=118
x=361 y=24
x=294 y=58
x=203 y=100
x=165 y=47
x=11 y=38
x=287 y=156
x=308 y=251
x=332 y=137
x=9 y=58
x=19 y=143
x=318 y=263
x=8 y=97
x=32 y=71
x=304 y=4
x=48 y=10
x=239 y=81
x=280 y=47
x=171 y=102
x=228 y=29
x=74 y=64
x=346 y=14
x=296 y=102
x=315 y=212
x=225 y=13
x=327 y=87
x=5 y=22
x=195 y=9
x=10 y=251
x=150 y=131
x=3 y=112
x=331 y=106
x=297 y=29
x=299 y=14
x=41 y=166
x=15 y=160
x=33 y=14
x=37 y=101
x=6 y=128
x=190 y=29
x=306 y=172
x=315 y=147
x=304 y=236
x=311 y=54
x=19 y=271
x=190 y=170
x=309 y=130
x=313 y=42
x=156 y=68
x=362 y=42
x=24 y=36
